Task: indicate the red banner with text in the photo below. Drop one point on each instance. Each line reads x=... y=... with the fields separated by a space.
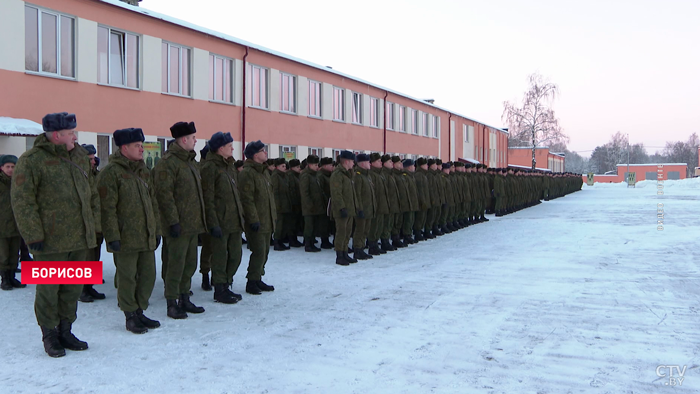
x=62 y=272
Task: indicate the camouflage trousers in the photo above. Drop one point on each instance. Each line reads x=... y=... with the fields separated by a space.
x=445 y=214
x=359 y=237
x=398 y=224
x=285 y=225
x=407 y=225
x=313 y=226
x=181 y=265
x=420 y=221
x=227 y=252
x=53 y=303
x=343 y=229
x=9 y=253
x=376 y=229
x=388 y=230
x=259 y=245
x=205 y=255
x=136 y=273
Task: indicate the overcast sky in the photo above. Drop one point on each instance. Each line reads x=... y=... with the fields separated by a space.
x=621 y=65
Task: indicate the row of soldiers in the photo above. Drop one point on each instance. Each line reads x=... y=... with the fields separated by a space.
x=61 y=209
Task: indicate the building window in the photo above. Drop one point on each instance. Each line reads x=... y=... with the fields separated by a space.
x=176 y=69
x=288 y=152
x=314 y=98
x=49 y=42
x=373 y=112
x=414 y=121
x=336 y=153
x=436 y=126
x=465 y=133
x=258 y=91
x=117 y=58
x=402 y=118
x=390 y=115
x=426 y=125
x=356 y=108
x=338 y=104
x=220 y=78
x=316 y=151
x=288 y=89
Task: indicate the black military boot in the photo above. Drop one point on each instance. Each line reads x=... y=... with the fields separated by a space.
x=149 y=323
x=279 y=246
x=294 y=243
x=436 y=231
x=374 y=249
x=134 y=324
x=386 y=245
x=396 y=242
x=52 y=346
x=381 y=251
x=252 y=287
x=187 y=305
x=309 y=246
x=325 y=243
x=236 y=295
x=206 y=286
x=361 y=255
x=13 y=281
x=349 y=258
x=264 y=286
x=222 y=295
x=85 y=296
x=96 y=295
x=174 y=310
x=418 y=236
x=340 y=258
x=484 y=219
x=445 y=229
x=67 y=339
x=5 y=284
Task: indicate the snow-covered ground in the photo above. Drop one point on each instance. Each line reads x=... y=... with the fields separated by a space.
x=576 y=295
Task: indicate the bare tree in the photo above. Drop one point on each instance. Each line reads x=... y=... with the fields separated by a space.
x=683 y=152
x=533 y=122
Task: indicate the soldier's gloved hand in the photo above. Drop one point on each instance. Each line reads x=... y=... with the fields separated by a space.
x=175 y=230
x=36 y=246
x=343 y=213
x=216 y=232
x=361 y=214
x=255 y=226
x=444 y=206
x=157 y=241
x=115 y=246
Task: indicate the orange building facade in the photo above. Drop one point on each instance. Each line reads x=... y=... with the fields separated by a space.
x=544 y=159
x=115 y=65
x=660 y=172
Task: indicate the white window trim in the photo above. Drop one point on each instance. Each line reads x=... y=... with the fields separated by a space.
x=436 y=127
x=390 y=118
x=425 y=122
x=376 y=112
x=319 y=99
x=341 y=96
x=267 y=87
x=189 y=70
x=232 y=79
x=402 y=116
x=126 y=51
x=293 y=93
x=359 y=108
x=415 y=122
x=58 y=15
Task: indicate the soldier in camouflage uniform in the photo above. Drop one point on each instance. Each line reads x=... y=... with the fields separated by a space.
x=312 y=202
x=324 y=179
x=409 y=169
x=296 y=222
x=382 y=207
x=131 y=226
x=392 y=191
x=181 y=205
x=446 y=186
x=259 y=212
x=224 y=215
x=89 y=294
x=205 y=254
x=57 y=213
x=366 y=205
x=436 y=169
x=404 y=203
x=9 y=235
x=283 y=203
x=343 y=206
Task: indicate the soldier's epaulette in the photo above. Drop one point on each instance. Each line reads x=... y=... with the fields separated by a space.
x=358 y=172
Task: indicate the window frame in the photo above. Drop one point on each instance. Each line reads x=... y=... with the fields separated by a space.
x=189 y=69
x=291 y=148
x=291 y=93
x=259 y=88
x=59 y=16
x=402 y=118
x=319 y=99
x=426 y=125
x=390 y=124
x=415 y=122
x=374 y=105
x=356 y=108
x=312 y=151
x=125 y=73
x=231 y=79
x=339 y=105
x=436 y=126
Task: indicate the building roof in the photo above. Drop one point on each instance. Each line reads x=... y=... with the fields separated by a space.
x=529 y=168
x=653 y=164
x=226 y=37
x=472 y=161
x=19 y=127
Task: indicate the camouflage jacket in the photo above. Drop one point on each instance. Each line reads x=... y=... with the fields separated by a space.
x=8 y=227
x=294 y=192
x=257 y=198
x=342 y=192
x=129 y=205
x=324 y=178
x=402 y=190
x=447 y=188
x=222 y=202
x=282 y=190
x=380 y=190
x=412 y=190
x=54 y=198
x=311 y=191
x=423 y=188
x=365 y=192
x=392 y=191
x=179 y=190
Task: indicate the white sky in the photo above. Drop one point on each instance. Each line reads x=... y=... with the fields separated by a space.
x=621 y=65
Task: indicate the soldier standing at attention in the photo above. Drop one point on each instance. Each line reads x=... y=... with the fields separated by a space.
x=312 y=202
x=205 y=254
x=392 y=190
x=343 y=206
x=9 y=235
x=181 y=204
x=402 y=201
x=58 y=214
x=295 y=222
x=366 y=205
x=324 y=178
x=409 y=168
x=131 y=225
x=382 y=208
x=283 y=203
x=259 y=212
x=224 y=215
x=89 y=294
x=422 y=186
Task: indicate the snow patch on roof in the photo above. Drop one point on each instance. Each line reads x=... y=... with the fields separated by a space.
x=19 y=127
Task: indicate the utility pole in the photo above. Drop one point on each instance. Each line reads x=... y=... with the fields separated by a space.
x=628 y=159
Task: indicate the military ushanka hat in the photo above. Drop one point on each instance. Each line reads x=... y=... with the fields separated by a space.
x=374 y=156
x=312 y=159
x=280 y=161
x=294 y=163
x=181 y=129
x=386 y=158
x=421 y=161
x=59 y=121
x=346 y=154
x=408 y=162
x=4 y=159
x=218 y=140
x=90 y=148
x=326 y=160
x=127 y=136
x=395 y=159
x=252 y=148
x=362 y=157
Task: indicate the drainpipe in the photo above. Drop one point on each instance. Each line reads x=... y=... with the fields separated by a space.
x=449 y=138
x=386 y=94
x=244 y=97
